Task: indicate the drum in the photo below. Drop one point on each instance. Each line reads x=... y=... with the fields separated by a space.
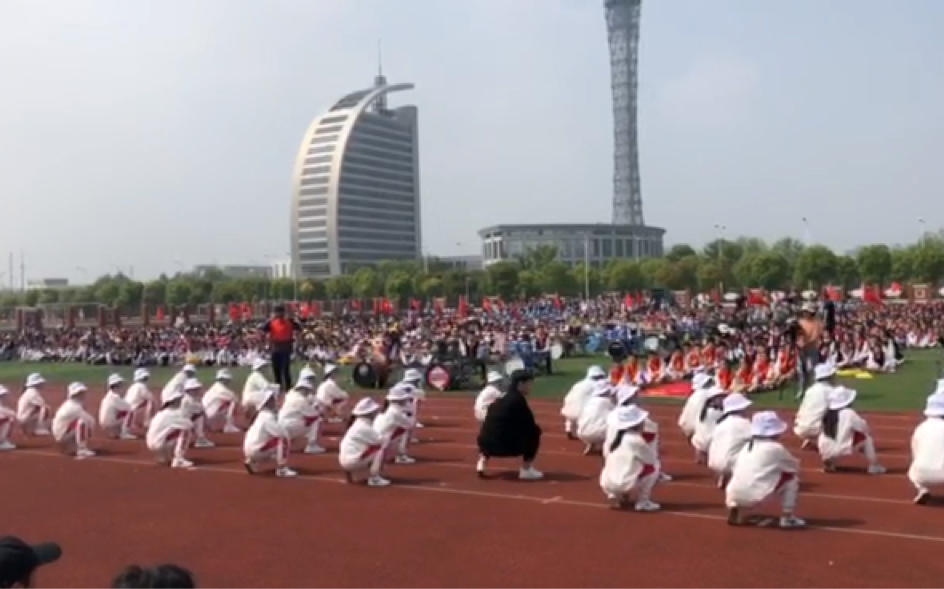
x=514 y=363
x=438 y=376
x=364 y=375
x=557 y=351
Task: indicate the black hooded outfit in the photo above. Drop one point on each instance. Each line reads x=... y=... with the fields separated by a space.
x=509 y=428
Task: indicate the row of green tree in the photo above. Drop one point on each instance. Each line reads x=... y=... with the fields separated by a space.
x=739 y=263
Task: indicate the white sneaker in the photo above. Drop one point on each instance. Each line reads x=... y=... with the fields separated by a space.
x=480 y=466
x=126 y=435
x=41 y=432
x=203 y=443
x=314 y=448
x=418 y=425
x=181 y=463
x=529 y=473
x=83 y=453
x=414 y=440
x=229 y=428
x=377 y=481
x=791 y=521
x=876 y=469
x=284 y=472
x=6 y=445
x=404 y=459
x=646 y=505
x=664 y=477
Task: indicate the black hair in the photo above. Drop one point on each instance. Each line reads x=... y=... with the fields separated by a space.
x=831 y=423
x=350 y=422
x=162 y=576
x=715 y=402
x=618 y=439
x=385 y=405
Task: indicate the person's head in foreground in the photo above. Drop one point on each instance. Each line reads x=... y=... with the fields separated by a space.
x=520 y=381
x=19 y=560
x=164 y=576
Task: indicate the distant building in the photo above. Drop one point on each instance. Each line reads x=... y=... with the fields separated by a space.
x=574 y=243
x=282 y=269
x=233 y=271
x=468 y=263
x=356 y=195
x=47 y=284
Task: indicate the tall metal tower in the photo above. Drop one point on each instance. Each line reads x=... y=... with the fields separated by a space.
x=622 y=27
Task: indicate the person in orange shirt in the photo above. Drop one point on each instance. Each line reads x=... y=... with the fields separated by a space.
x=282 y=331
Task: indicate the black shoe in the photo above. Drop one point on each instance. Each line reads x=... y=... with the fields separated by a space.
x=249 y=467
x=734 y=516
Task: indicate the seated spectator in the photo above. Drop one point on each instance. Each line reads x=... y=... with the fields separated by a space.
x=19 y=560
x=165 y=576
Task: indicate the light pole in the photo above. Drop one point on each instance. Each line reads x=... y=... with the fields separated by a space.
x=923 y=232
x=586 y=266
x=720 y=229
x=807 y=233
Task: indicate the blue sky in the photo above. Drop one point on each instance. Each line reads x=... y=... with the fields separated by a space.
x=162 y=134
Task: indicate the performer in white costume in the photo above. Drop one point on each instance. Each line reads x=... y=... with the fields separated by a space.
x=170 y=432
x=630 y=465
x=362 y=448
x=487 y=395
x=577 y=397
x=114 y=413
x=72 y=424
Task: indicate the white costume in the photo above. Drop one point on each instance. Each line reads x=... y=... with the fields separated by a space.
x=729 y=437
x=706 y=420
x=331 y=396
x=114 y=413
x=72 y=424
x=488 y=395
x=395 y=423
x=927 y=448
x=701 y=383
x=176 y=383
x=220 y=403
x=577 y=397
x=414 y=377
x=255 y=386
x=191 y=406
x=301 y=416
x=591 y=425
x=852 y=433
x=764 y=469
x=169 y=434
x=266 y=439
x=140 y=399
x=631 y=467
x=32 y=411
x=7 y=419
x=809 y=416
x=362 y=447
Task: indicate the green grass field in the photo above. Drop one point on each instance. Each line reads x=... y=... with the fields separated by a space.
x=906 y=389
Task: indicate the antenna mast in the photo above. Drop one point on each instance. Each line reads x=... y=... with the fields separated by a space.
x=380 y=105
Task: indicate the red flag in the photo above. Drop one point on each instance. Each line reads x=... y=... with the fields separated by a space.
x=247 y=311
x=159 y=315
x=233 y=312
x=557 y=301
x=872 y=294
x=414 y=304
x=832 y=293
x=463 y=307
x=304 y=310
x=355 y=304
x=315 y=308
x=756 y=296
x=487 y=304
x=628 y=301
x=386 y=306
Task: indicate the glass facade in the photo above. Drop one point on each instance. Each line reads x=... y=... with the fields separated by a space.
x=574 y=243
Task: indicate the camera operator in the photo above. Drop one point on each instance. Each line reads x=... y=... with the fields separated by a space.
x=807 y=334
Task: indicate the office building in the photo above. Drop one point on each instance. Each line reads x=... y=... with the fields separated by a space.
x=575 y=244
x=356 y=195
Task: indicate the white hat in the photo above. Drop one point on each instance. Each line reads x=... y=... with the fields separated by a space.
x=766 y=424
x=602 y=388
x=626 y=392
x=810 y=307
x=306 y=373
x=595 y=372
x=840 y=398
x=401 y=392
x=223 y=374
x=192 y=384
x=267 y=394
x=365 y=406
x=715 y=391
x=935 y=405
x=34 y=380
x=493 y=377
x=630 y=416
x=76 y=389
x=141 y=374
x=259 y=363
x=4 y=390
x=304 y=383
x=701 y=380
x=735 y=402
x=330 y=369
x=171 y=396
x=940 y=386
x=189 y=368
x=114 y=380
x=824 y=371
x=412 y=375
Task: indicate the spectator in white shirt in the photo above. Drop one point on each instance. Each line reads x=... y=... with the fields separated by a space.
x=72 y=424
x=266 y=440
x=764 y=470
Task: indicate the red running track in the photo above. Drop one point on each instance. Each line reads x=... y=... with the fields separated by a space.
x=441 y=526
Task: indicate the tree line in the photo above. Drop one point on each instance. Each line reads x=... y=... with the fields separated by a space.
x=745 y=262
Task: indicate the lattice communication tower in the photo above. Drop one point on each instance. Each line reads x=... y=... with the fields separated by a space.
x=622 y=27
